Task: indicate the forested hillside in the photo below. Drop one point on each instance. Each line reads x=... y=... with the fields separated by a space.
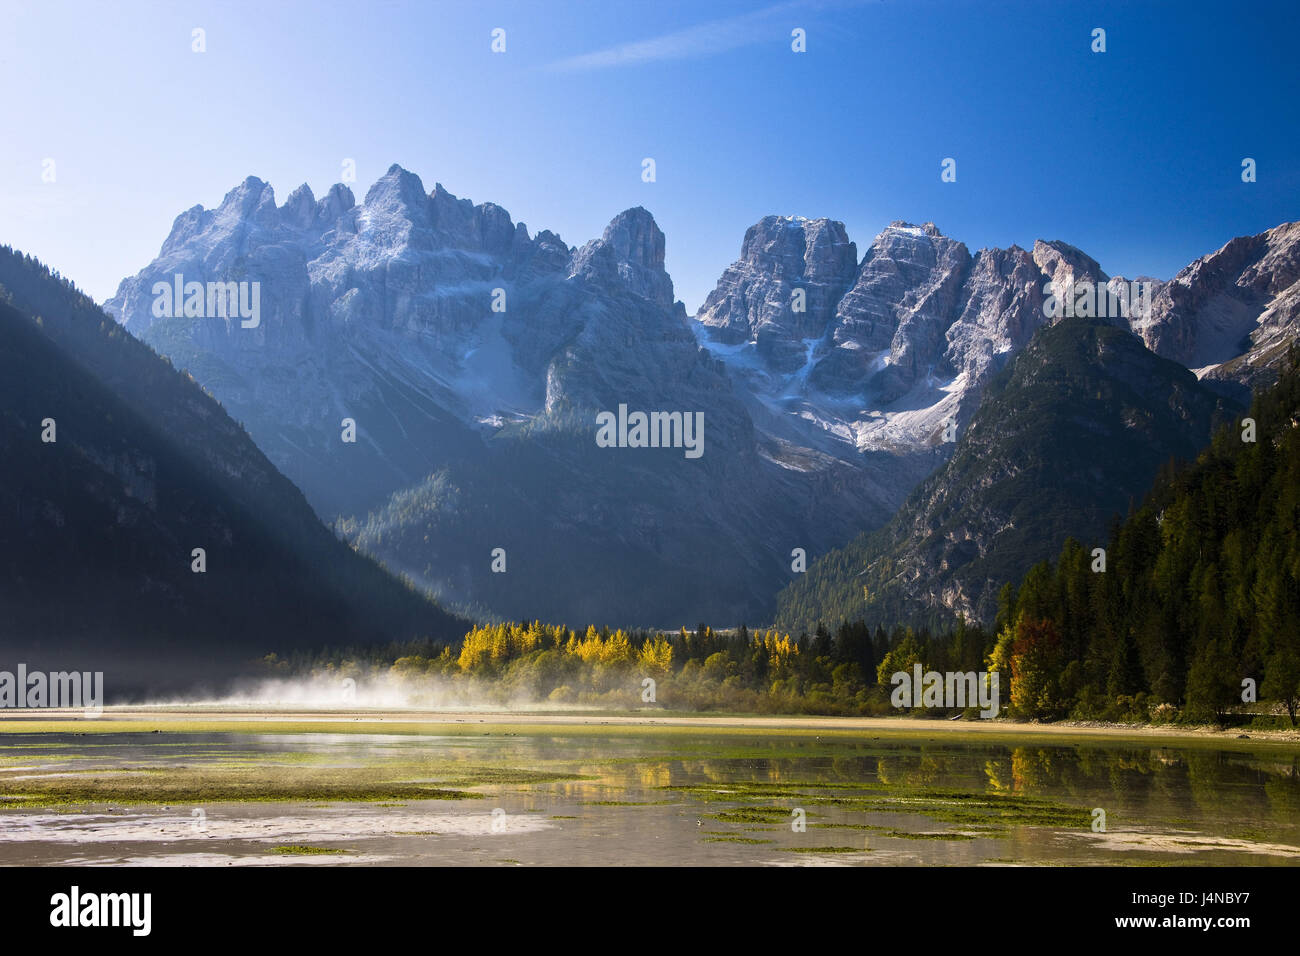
x=115 y=468
x=1201 y=589
x=1069 y=435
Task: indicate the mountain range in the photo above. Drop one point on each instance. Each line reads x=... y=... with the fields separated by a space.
x=473 y=358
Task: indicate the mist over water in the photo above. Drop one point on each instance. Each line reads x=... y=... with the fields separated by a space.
x=375 y=690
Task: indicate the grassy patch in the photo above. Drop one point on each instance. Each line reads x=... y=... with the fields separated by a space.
x=849 y=826
x=751 y=815
x=964 y=807
x=277 y=777
x=905 y=835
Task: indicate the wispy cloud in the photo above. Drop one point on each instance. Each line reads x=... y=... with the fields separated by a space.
x=705 y=39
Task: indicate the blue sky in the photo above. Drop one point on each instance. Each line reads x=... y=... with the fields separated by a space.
x=1134 y=155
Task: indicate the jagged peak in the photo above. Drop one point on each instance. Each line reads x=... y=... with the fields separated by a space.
x=1014 y=250
x=1060 y=245
x=397 y=175
x=1283 y=232
x=1049 y=254
x=184 y=226
x=341 y=195
x=252 y=188
x=802 y=222
x=546 y=236
x=300 y=208
x=636 y=238
x=398 y=187
x=633 y=214
x=629 y=254
x=298 y=194
x=781 y=230
x=925 y=229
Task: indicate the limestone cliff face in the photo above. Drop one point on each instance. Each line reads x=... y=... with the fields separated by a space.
x=1231 y=314
x=912 y=340
x=791 y=274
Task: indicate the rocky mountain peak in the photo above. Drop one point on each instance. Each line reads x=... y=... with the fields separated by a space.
x=784 y=287
x=629 y=255
x=252 y=199
x=889 y=327
x=925 y=229
x=334 y=204
x=247 y=198
x=636 y=238
x=1231 y=313
x=1062 y=264
x=398 y=191
x=300 y=208
x=185 y=226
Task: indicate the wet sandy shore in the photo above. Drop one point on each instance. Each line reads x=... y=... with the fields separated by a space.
x=257 y=719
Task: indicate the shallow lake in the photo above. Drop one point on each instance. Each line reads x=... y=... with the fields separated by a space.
x=640 y=796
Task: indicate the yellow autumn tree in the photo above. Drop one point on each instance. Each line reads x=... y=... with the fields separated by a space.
x=656 y=656
x=588 y=649
x=617 y=650
x=476 y=650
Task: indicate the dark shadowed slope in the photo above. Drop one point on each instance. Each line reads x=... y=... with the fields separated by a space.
x=97 y=528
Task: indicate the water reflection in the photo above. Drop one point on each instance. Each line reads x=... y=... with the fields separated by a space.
x=728 y=798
